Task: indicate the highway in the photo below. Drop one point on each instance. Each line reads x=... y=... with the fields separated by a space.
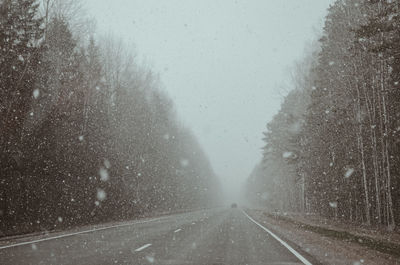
x=212 y=237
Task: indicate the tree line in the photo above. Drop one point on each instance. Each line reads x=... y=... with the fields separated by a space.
x=87 y=134
x=333 y=148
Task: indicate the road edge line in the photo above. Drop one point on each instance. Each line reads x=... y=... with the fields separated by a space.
x=294 y=252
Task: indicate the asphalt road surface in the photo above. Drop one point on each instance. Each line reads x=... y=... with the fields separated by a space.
x=218 y=236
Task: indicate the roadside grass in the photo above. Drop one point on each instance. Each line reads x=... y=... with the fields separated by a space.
x=378 y=245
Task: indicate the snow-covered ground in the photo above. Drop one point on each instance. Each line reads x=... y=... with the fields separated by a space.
x=48 y=235
x=326 y=249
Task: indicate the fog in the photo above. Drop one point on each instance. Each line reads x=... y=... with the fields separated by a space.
x=199 y=132
x=224 y=63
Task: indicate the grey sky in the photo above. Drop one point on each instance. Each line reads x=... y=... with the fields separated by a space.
x=222 y=62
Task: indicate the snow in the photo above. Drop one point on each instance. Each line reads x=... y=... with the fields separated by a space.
x=36 y=93
x=287 y=154
x=349 y=172
x=339 y=252
x=101 y=194
x=80 y=138
x=104 y=176
x=60 y=219
x=333 y=204
x=150 y=259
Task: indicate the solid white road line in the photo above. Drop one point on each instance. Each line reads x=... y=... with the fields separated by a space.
x=177 y=230
x=142 y=247
x=294 y=252
x=77 y=233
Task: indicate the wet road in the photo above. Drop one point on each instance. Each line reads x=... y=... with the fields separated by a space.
x=218 y=236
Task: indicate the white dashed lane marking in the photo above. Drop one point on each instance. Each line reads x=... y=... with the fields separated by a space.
x=142 y=247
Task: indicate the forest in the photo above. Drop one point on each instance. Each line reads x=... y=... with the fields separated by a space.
x=87 y=133
x=333 y=149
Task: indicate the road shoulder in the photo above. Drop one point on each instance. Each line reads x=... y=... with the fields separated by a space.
x=324 y=249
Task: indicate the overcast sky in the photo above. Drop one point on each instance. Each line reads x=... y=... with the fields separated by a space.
x=221 y=61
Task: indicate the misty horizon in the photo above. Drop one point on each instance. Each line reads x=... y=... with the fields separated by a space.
x=205 y=59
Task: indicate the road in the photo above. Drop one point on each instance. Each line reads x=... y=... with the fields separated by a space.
x=217 y=236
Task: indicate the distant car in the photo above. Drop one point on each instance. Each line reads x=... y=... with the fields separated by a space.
x=233 y=205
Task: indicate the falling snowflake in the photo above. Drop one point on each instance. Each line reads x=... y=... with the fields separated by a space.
x=104 y=176
x=101 y=194
x=287 y=154
x=150 y=259
x=349 y=172
x=333 y=204
x=80 y=138
x=36 y=93
x=60 y=219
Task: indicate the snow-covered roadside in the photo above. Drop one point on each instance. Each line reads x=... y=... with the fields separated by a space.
x=325 y=249
x=48 y=235
x=381 y=234
x=44 y=235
